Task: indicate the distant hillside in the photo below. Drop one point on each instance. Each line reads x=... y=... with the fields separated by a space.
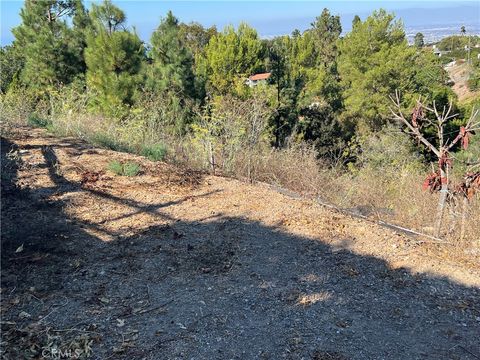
x=459 y=73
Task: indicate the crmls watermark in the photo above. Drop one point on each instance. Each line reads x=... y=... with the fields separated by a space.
x=54 y=353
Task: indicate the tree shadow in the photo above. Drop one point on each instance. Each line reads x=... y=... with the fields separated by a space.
x=220 y=288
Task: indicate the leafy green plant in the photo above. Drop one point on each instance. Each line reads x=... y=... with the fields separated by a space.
x=131 y=169
x=155 y=152
x=116 y=167
x=124 y=169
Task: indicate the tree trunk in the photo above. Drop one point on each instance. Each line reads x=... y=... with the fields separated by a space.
x=277 y=130
x=211 y=157
x=249 y=169
x=452 y=222
x=441 y=201
x=464 y=218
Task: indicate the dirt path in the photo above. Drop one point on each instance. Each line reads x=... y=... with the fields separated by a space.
x=175 y=265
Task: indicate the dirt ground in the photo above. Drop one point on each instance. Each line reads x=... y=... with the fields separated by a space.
x=459 y=73
x=174 y=264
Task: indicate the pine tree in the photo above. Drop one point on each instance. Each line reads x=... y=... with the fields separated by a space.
x=11 y=65
x=324 y=83
x=114 y=58
x=326 y=30
x=196 y=37
x=374 y=61
x=285 y=114
x=419 y=40
x=51 y=59
x=172 y=62
x=82 y=24
x=170 y=74
x=319 y=126
x=356 y=20
x=231 y=54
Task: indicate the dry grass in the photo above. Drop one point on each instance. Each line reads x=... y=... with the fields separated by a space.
x=296 y=168
x=377 y=192
x=380 y=194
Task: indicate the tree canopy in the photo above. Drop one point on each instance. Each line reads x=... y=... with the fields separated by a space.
x=324 y=87
x=114 y=59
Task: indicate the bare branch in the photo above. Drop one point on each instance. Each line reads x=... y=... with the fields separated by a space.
x=469 y=127
x=398 y=115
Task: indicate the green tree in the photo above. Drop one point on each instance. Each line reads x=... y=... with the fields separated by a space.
x=356 y=20
x=474 y=79
x=319 y=126
x=419 y=40
x=231 y=54
x=82 y=24
x=51 y=57
x=304 y=69
x=374 y=61
x=326 y=30
x=107 y=17
x=302 y=57
x=171 y=71
x=320 y=100
x=457 y=43
x=11 y=64
x=283 y=118
x=196 y=37
x=113 y=57
x=313 y=62
x=172 y=61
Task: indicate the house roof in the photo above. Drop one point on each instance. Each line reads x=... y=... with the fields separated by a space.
x=262 y=76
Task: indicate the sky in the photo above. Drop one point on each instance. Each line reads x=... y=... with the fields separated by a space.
x=272 y=18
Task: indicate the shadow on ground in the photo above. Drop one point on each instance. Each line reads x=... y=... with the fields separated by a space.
x=226 y=288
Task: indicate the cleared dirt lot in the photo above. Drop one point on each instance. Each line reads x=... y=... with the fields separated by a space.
x=173 y=264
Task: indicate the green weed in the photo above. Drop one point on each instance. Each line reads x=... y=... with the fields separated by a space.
x=131 y=169
x=155 y=152
x=116 y=167
x=36 y=121
x=124 y=169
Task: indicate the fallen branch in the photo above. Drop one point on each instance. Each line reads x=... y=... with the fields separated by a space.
x=382 y=223
x=406 y=231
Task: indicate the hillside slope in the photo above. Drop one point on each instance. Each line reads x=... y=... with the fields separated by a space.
x=172 y=264
x=459 y=73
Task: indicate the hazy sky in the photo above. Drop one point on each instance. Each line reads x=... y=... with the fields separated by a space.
x=273 y=17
